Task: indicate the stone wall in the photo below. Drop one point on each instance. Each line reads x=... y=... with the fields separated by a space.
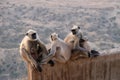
x=104 y=67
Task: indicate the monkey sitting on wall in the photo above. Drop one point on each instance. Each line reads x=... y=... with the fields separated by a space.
x=32 y=50
x=59 y=51
x=77 y=43
x=73 y=41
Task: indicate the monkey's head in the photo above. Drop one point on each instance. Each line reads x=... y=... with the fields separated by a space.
x=75 y=29
x=31 y=34
x=54 y=36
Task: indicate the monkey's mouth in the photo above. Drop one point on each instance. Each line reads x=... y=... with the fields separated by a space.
x=73 y=32
x=33 y=37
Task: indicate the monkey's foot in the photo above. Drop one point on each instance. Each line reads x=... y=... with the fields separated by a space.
x=94 y=53
x=51 y=63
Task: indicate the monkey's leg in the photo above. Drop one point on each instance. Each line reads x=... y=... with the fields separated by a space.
x=76 y=53
x=30 y=58
x=48 y=57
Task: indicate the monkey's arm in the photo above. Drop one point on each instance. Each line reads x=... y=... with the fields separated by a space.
x=77 y=47
x=27 y=57
x=44 y=49
x=67 y=38
x=82 y=49
x=86 y=45
x=49 y=56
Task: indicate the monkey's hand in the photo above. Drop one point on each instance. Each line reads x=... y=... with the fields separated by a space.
x=46 y=59
x=37 y=67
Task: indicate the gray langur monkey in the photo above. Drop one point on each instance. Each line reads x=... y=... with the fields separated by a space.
x=59 y=51
x=32 y=50
x=77 y=42
x=73 y=40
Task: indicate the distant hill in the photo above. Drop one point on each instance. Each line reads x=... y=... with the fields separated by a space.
x=99 y=21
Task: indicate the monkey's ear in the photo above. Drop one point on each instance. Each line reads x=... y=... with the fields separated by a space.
x=51 y=37
x=26 y=34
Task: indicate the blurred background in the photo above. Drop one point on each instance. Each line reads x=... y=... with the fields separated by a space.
x=98 y=19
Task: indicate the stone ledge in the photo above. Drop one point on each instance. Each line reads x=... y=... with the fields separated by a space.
x=104 y=67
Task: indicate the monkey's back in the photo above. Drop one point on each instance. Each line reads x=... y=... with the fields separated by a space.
x=65 y=50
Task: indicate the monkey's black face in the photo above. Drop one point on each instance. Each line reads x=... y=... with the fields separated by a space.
x=74 y=31
x=34 y=36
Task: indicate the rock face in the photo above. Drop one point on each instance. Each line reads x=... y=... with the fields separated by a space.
x=100 y=68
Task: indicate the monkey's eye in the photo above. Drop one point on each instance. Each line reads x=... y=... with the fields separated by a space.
x=34 y=34
x=73 y=30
